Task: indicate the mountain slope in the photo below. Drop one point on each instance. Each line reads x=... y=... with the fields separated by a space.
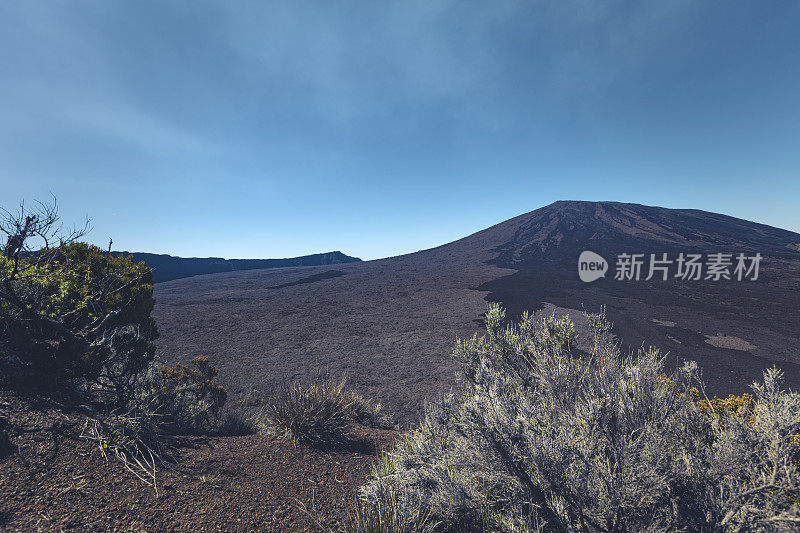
x=390 y=324
x=168 y=267
x=559 y=230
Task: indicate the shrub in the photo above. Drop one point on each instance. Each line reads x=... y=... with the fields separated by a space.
x=742 y=406
x=86 y=318
x=70 y=313
x=168 y=400
x=184 y=398
x=539 y=437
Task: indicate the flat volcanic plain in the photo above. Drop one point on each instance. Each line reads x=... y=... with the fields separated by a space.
x=390 y=324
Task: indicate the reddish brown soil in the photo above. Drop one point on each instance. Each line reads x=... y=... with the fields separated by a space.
x=53 y=480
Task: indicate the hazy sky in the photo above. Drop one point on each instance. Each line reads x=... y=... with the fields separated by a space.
x=274 y=129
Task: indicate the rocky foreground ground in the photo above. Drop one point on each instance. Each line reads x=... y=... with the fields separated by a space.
x=52 y=479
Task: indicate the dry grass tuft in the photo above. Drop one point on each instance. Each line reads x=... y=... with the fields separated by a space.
x=314 y=413
x=132 y=439
x=390 y=513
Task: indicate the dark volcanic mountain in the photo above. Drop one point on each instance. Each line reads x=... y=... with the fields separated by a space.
x=168 y=267
x=390 y=324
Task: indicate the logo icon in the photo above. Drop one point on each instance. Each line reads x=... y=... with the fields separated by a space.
x=591 y=266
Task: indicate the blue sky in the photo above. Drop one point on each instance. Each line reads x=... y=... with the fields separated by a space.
x=274 y=129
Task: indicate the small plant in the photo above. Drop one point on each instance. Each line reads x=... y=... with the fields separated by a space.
x=211 y=481
x=5 y=439
x=253 y=399
x=236 y=423
x=167 y=400
x=561 y=330
x=369 y=414
x=132 y=438
x=196 y=379
x=318 y=412
x=742 y=406
x=390 y=513
x=186 y=398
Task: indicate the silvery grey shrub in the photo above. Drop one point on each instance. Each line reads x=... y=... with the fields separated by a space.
x=541 y=437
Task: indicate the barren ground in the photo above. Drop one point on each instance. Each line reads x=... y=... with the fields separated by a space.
x=54 y=480
x=391 y=324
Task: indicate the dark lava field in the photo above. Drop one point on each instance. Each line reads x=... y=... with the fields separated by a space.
x=390 y=324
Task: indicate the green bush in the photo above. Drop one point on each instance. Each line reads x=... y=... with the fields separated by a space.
x=168 y=400
x=80 y=281
x=542 y=438
x=183 y=398
x=73 y=314
x=75 y=318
